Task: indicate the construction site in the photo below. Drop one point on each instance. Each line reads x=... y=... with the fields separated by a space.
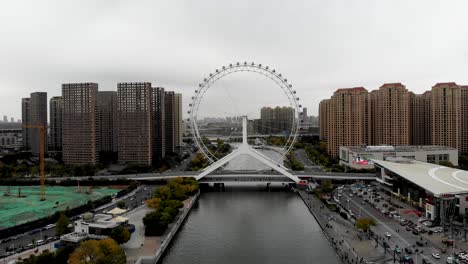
x=21 y=204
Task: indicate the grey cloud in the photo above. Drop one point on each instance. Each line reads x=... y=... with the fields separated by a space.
x=319 y=45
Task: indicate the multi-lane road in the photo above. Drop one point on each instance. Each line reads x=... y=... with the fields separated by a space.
x=399 y=236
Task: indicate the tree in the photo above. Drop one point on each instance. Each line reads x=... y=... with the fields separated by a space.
x=153 y=224
x=446 y=163
x=327 y=186
x=94 y=251
x=153 y=203
x=62 y=225
x=120 y=234
x=121 y=204
x=364 y=223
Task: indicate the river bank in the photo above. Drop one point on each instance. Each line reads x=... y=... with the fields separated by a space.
x=341 y=234
x=154 y=247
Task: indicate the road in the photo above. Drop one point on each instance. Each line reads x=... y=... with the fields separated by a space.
x=22 y=241
x=402 y=238
x=301 y=155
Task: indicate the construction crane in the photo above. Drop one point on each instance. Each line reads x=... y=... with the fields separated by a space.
x=42 y=130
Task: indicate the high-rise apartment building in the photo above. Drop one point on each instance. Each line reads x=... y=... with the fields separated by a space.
x=446 y=114
x=398 y=117
x=107 y=104
x=323 y=118
x=79 y=123
x=464 y=118
x=159 y=124
x=5 y=119
x=178 y=129
x=25 y=110
x=135 y=123
x=347 y=119
x=55 y=124
x=34 y=113
x=392 y=115
x=420 y=118
x=170 y=109
x=277 y=120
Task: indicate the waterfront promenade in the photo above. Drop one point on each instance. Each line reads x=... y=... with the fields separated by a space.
x=153 y=247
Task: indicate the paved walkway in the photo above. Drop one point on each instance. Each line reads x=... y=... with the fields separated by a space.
x=141 y=245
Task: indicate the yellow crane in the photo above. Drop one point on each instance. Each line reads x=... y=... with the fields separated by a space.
x=42 y=129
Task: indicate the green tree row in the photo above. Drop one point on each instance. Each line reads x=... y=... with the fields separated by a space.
x=167 y=200
x=293 y=163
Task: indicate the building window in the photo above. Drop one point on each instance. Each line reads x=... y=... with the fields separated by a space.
x=431 y=158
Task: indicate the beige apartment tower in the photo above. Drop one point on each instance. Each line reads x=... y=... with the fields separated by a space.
x=420 y=118
x=464 y=118
x=79 y=124
x=135 y=123
x=446 y=114
x=347 y=119
x=391 y=115
x=323 y=118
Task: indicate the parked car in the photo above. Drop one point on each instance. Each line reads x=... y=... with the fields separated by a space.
x=436 y=255
x=387 y=234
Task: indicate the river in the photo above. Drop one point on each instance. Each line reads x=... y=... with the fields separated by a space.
x=247 y=225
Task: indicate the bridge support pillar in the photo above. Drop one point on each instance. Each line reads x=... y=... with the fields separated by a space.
x=268 y=186
x=219 y=187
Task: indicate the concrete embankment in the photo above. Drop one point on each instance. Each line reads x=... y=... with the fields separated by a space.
x=169 y=236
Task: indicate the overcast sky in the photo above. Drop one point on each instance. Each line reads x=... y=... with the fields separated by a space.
x=318 y=45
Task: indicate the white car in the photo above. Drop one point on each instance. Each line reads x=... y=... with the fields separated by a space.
x=436 y=255
x=350 y=195
x=387 y=234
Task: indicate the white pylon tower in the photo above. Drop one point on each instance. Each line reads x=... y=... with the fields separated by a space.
x=246 y=149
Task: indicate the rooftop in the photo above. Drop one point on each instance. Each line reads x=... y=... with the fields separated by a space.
x=364 y=148
x=434 y=178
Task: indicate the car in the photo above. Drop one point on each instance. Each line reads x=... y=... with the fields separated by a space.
x=415 y=232
x=397 y=216
x=408 y=250
x=350 y=195
x=30 y=245
x=387 y=234
x=428 y=223
x=40 y=242
x=419 y=243
x=436 y=255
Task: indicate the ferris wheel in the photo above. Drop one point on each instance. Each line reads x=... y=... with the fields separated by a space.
x=277 y=78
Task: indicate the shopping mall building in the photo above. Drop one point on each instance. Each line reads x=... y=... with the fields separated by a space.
x=440 y=192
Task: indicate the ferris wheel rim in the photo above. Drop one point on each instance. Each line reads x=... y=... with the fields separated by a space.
x=212 y=78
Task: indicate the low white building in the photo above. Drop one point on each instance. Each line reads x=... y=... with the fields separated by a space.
x=360 y=157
